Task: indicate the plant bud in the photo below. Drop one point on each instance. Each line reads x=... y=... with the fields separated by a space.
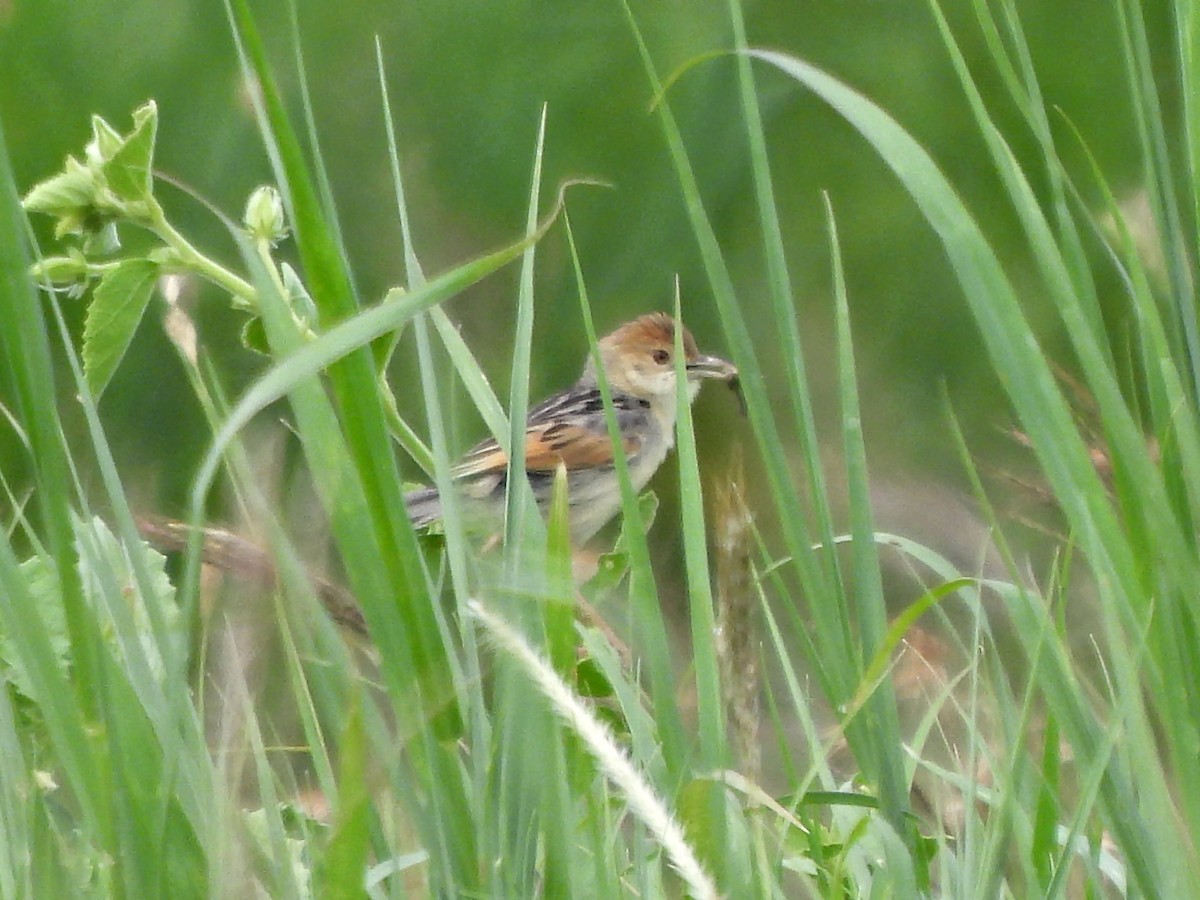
x=264 y=215
x=61 y=271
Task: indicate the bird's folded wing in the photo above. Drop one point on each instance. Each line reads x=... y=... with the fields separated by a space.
x=546 y=445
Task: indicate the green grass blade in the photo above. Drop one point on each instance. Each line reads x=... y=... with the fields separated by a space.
x=519 y=511
x=695 y=549
x=649 y=626
x=783 y=304
x=713 y=751
x=879 y=754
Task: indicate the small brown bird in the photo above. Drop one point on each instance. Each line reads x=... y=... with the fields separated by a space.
x=569 y=428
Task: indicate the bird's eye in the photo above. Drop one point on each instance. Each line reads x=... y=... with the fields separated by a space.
x=662 y=357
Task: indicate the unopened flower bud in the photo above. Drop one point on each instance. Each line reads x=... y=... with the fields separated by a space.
x=61 y=271
x=264 y=217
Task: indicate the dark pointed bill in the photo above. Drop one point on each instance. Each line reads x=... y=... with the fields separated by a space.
x=711 y=367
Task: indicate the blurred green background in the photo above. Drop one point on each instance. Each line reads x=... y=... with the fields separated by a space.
x=467 y=82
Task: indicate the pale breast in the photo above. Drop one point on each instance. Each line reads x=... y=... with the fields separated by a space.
x=595 y=495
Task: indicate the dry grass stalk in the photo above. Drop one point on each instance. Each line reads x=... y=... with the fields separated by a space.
x=737 y=631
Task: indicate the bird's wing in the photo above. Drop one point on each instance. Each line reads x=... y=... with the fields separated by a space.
x=546 y=445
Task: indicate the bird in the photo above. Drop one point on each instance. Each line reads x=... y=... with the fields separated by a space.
x=569 y=429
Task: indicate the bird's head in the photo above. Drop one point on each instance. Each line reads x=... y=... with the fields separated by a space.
x=639 y=359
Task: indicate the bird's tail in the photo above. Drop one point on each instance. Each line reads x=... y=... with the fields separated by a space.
x=424 y=506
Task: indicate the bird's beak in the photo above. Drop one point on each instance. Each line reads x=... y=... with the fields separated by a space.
x=711 y=367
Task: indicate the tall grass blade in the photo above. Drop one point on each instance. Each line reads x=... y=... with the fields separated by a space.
x=882 y=727
x=649 y=626
x=519 y=512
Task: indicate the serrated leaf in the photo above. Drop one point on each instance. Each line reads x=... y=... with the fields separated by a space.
x=67 y=193
x=128 y=169
x=113 y=315
x=45 y=589
x=41 y=580
x=105 y=141
x=101 y=557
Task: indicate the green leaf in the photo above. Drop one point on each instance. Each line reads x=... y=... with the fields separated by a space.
x=112 y=318
x=103 y=561
x=105 y=141
x=45 y=591
x=611 y=569
x=254 y=336
x=69 y=193
x=128 y=169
